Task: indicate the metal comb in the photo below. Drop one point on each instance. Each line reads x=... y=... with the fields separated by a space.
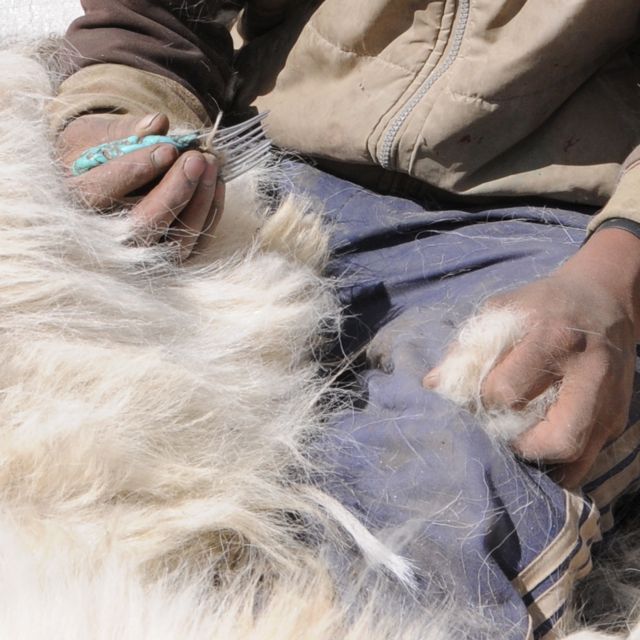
x=239 y=148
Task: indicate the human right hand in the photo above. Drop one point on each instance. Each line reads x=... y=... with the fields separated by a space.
x=583 y=322
x=187 y=200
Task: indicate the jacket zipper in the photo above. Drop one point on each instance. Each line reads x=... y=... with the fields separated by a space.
x=384 y=157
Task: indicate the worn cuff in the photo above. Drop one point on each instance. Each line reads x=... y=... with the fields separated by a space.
x=625 y=201
x=630 y=226
x=120 y=89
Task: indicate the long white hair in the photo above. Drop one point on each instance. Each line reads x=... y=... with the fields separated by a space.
x=157 y=419
x=157 y=424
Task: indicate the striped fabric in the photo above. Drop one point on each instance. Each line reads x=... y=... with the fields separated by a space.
x=545 y=585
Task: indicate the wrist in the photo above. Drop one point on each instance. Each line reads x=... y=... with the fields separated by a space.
x=610 y=261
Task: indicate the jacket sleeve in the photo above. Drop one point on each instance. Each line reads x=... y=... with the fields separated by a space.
x=625 y=200
x=136 y=56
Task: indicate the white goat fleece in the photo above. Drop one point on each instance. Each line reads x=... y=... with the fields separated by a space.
x=156 y=421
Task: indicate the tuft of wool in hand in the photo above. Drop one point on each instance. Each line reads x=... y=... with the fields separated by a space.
x=481 y=342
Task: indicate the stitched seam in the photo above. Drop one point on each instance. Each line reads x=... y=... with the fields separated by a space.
x=363 y=56
x=533 y=92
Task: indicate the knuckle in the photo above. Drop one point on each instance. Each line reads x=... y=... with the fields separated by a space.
x=567 y=340
x=602 y=352
x=565 y=447
x=499 y=392
x=609 y=366
x=150 y=220
x=161 y=157
x=118 y=126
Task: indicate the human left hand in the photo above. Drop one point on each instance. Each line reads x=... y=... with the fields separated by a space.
x=582 y=328
x=172 y=197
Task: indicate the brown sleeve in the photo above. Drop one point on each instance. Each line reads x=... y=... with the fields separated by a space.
x=117 y=88
x=186 y=41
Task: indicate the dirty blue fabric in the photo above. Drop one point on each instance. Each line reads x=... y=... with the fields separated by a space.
x=416 y=470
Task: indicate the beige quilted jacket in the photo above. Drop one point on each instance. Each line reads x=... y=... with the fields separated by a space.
x=473 y=97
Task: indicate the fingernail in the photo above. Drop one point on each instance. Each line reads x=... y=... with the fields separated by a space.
x=163 y=156
x=432 y=379
x=193 y=168
x=147 y=121
x=212 y=171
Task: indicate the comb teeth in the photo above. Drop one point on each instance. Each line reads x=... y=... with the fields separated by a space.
x=242 y=146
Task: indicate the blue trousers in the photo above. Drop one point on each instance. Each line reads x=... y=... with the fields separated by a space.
x=421 y=472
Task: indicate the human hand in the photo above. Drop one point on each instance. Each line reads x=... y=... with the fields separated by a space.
x=187 y=200
x=582 y=329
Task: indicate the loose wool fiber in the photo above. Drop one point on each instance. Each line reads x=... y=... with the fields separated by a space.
x=157 y=420
x=157 y=423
